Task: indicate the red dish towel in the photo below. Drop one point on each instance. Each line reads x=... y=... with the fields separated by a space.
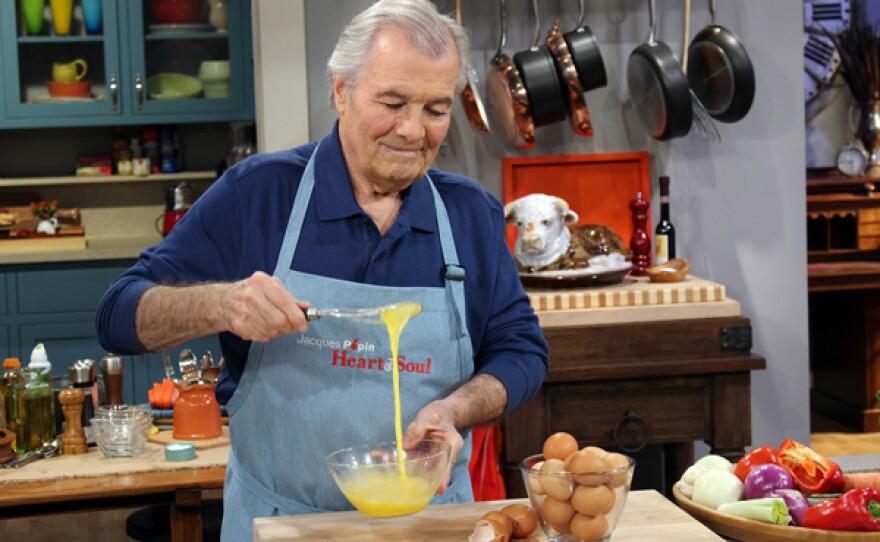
x=485 y=468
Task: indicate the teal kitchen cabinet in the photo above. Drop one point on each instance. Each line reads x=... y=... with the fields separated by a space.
x=55 y=304
x=121 y=59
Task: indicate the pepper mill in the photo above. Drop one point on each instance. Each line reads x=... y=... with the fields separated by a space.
x=112 y=368
x=74 y=440
x=640 y=243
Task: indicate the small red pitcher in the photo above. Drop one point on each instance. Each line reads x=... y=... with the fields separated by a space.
x=197 y=413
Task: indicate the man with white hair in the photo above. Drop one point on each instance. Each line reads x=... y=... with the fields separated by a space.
x=356 y=220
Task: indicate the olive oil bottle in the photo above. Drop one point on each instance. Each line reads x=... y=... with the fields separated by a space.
x=10 y=381
x=35 y=426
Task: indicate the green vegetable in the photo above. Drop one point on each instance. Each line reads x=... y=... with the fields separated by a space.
x=768 y=510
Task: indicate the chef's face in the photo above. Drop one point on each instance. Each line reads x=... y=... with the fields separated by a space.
x=392 y=122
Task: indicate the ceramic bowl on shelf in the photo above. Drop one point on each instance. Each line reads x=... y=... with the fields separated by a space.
x=173 y=86
x=177 y=11
x=73 y=89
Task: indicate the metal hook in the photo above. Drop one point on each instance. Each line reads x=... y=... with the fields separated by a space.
x=581 y=16
x=503 y=41
x=651 y=15
x=712 y=11
x=537 y=24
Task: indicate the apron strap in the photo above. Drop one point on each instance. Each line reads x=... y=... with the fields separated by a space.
x=455 y=272
x=297 y=216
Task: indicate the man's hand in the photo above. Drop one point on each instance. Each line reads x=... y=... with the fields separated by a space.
x=257 y=308
x=260 y=308
x=435 y=422
x=480 y=399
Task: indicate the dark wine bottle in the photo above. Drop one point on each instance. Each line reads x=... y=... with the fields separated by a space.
x=664 y=233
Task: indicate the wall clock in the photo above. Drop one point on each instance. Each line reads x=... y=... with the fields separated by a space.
x=821 y=59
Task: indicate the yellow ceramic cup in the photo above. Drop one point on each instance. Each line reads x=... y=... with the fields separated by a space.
x=68 y=72
x=62 y=13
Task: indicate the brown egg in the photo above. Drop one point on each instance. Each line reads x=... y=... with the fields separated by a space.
x=593 y=500
x=487 y=530
x=502 y=521
x=535 y=480
x=589 y=528
x=617 y=461
x=596 y=450
x=555 y=484
x=524 y=519
x=559 y=446
x=585 y=462
x=557 y=514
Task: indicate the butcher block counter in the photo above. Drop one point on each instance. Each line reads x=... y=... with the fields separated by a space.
x=646 y=516
x=642 y=368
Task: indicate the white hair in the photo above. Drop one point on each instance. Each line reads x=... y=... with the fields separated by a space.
x=430 y=32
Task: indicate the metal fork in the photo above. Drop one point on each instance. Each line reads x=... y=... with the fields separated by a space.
x=362 y=315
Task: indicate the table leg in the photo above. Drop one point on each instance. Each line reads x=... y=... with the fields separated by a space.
x=186 y=516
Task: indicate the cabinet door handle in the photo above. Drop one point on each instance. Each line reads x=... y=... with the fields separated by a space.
x=139 y=90
x=114 y=90
x=631 y=417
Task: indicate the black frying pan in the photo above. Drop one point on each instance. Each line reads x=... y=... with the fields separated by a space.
x=586 y=55
x=659 y=89
x=538 y=69
x=720 y=72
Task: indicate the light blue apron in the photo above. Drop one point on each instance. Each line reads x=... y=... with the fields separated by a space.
x=305 y=395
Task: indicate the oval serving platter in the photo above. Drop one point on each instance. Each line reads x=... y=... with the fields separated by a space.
x=574 y=278
x=757 y=531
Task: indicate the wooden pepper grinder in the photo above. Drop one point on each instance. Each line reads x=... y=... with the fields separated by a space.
x=640 y=242
x=74 y=440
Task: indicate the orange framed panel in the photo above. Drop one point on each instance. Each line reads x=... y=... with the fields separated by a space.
x=598 y=187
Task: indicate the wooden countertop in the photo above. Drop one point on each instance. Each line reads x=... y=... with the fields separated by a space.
x=646 y=516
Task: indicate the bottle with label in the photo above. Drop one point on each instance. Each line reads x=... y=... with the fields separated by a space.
x=40 y=363
x=35 y=426
x=664 y=233
x=10 y=379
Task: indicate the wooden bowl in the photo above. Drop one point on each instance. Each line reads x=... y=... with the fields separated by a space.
x=758 y=531
x=675 y=270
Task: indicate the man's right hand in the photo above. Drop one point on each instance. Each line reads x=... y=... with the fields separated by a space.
x=260 y=308
x=257 y=308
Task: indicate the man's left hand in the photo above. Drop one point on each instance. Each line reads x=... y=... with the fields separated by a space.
x=435 y=421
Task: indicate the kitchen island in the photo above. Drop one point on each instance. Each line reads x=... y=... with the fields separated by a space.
x=646 y=516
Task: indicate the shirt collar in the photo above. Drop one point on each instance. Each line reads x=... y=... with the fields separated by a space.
x=335 y=199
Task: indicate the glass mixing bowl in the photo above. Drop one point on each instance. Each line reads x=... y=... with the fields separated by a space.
x=377 y=483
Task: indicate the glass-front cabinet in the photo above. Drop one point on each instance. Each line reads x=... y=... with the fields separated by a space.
x=102 y=62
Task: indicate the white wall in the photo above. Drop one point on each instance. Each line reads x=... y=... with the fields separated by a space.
x=738 y=205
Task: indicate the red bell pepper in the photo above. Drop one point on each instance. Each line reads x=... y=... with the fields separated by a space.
x=758 y=456
x=812 y=473
x=855 y=510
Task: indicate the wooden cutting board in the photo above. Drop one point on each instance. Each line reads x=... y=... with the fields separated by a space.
x=629 y=293
x=646 y=516
x=167 y=437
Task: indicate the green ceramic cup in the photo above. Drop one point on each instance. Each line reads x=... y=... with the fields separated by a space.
x=33 y=15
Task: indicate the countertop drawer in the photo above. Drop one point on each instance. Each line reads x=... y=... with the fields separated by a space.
x=58 y=291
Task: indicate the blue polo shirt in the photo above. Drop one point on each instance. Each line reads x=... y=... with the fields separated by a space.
x=236 y=228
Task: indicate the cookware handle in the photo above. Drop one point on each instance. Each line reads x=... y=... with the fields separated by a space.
x=651 y=18
x=458 y=12
x=581 y=16
x=114 y=92
x=686 y=30
x=537 y=24
x=139 y=90
x=711 y=11
x=503 y=40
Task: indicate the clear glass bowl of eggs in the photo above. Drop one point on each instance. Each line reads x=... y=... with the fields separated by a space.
x=381 y=483
x=577 y=493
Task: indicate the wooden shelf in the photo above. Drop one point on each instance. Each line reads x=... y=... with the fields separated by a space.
x=107 y=179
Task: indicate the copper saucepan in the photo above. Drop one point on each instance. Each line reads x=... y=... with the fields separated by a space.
x=469 y=96
x=573 y=93
x=509 y=97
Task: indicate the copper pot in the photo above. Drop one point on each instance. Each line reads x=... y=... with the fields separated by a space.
x=510 y=100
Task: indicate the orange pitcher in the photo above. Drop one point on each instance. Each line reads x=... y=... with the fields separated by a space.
x=197 y=413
